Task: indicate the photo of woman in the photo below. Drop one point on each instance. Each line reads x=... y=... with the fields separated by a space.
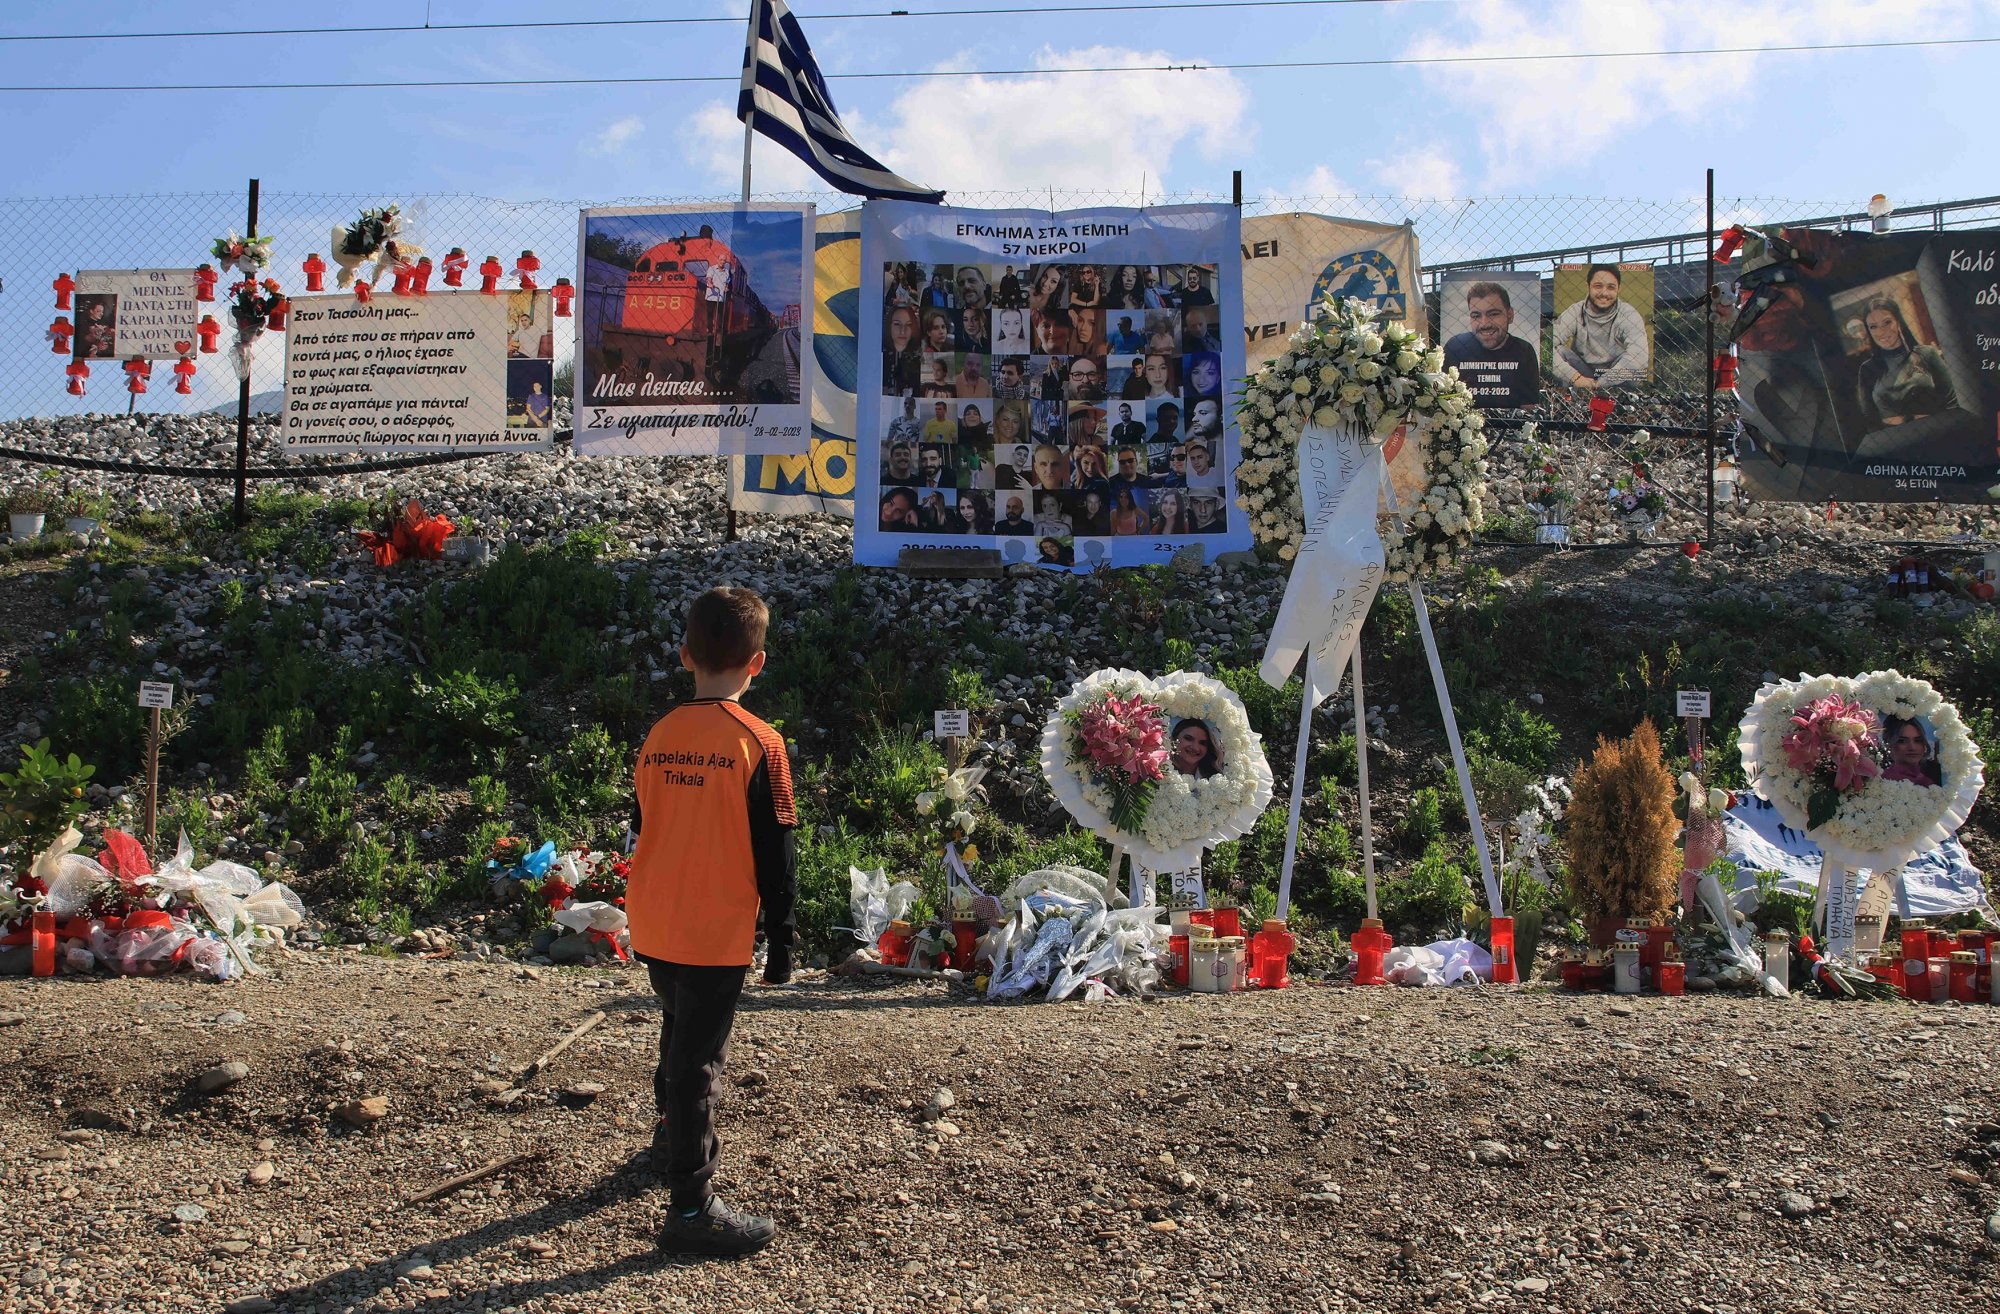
x=972 y=426
x=975 y=331
x=1051 y=330
x=1900 y=378
x=1128 y=512
x=1086 y=333
x=1128 y=288
x=1056 y=551
x=938 y=332
x=1170 y=514
x=898 y=511
x=1051 y=517
x=1087 y=287
x=975 y=513
x=1048 y=288
x=934 y=514
x=1195 y=753
x=1204 y=374
x=1600 y=342
x=1090 y=473
x=1912 y=752
x=1163 y=377
x=1012 y=336
x=902 y=354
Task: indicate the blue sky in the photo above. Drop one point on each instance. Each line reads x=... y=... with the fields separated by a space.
x=1830 y=127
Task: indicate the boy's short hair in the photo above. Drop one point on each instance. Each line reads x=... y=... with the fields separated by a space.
x=725 y=628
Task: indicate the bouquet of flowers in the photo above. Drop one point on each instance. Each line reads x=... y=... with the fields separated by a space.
x=1124 y=742
x=1634 y=498
x=252 y=303
x=1834 y=742
x=1543 y=482
x=946 y=811
x=249 y=254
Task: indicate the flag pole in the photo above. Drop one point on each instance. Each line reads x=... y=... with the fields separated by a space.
x=749 y=67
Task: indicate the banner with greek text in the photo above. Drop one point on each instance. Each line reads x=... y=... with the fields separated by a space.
x=1049 y=383
x=693 y=337
x=1339 y=566
x=447 y=371
x=1874 y=374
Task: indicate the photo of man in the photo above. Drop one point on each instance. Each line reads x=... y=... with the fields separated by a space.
x=898 y=511
x=899 y=465
x=529 y=403
x=1205 y=512
x=974 y=293
x=1015 y=522
x=96 y=326
x=1201 y=471
x=1602 y=337
x=1128 y=429
x=1017 y=466
x=1125 y=337
x=1051 y=516
x=1128 y=468
x=1012 y=384
x=1085 y=381
x=942 y=427
x=1127 y=378
x=1491 y=326
x=1197 y=286
x=971 y=379
x=935 y=468
x=906 y=428
x=1051 y=469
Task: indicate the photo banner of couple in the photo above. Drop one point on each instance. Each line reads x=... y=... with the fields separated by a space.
x=1048 y=383
x=1871 y=371
x=695 y=337
x=1288 y=261
x=446 y=371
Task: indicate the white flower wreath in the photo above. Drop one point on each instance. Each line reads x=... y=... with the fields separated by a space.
x=1347 y=369
x=1883 y=823
x=1187 y=813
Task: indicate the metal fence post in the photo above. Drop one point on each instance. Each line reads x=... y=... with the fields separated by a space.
x=1708 y=320
x=243 y=393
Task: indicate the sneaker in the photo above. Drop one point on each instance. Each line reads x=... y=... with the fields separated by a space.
x=716 y=1230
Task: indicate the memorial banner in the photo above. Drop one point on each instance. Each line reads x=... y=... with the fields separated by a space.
x=693 y=337
x=1603 y=334
x=821 y=481
x=448 y=371
x=1292 y=262
x=1490 y=322
x=1050 y=383
x=122 y=313
x=1874 y=373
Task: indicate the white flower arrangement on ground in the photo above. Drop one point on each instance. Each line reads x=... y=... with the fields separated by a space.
x=1866 y=821
x=1186 y=813
x=1347 y=369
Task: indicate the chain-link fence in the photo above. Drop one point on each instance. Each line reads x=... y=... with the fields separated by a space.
x=41 y=238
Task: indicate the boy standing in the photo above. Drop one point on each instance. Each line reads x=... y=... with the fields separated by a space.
x=715 y=841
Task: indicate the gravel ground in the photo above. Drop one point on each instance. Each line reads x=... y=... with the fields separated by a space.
x=1314 y=1149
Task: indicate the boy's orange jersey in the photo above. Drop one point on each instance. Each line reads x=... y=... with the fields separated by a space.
x=715 y=837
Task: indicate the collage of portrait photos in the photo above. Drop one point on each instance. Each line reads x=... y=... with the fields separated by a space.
x=1058 y=407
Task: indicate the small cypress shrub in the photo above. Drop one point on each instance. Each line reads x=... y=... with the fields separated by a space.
x=1622 y=859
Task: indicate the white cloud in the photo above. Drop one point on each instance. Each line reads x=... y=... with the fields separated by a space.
x=1085 y=132
x=1535 y=119
x=616 y=136
x=1423 y=171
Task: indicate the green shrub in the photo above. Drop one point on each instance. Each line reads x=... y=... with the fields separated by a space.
x=1429 y=899
x=1274 y=713
x=322 y=809
x=579 y=785
x=98 y=717
x=1502 y=728
x=40 y=797
x=1423 y=825
x=489 y=795
x=460 y=710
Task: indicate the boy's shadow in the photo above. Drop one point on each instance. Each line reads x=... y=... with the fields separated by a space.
x=623 y=1183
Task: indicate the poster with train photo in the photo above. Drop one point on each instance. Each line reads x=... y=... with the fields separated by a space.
x=695 y=336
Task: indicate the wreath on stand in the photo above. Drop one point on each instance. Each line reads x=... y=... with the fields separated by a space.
x=1347 y=369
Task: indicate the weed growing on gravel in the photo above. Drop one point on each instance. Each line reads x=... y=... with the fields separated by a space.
x=489 y=795
x=458 y=711
x=581 y=785
x=1423 y=822
x=1428 y=899
x=323 y=807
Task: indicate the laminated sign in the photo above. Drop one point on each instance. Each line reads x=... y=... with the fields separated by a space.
x=448 y=371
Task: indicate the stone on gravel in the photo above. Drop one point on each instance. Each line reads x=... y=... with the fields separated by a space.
x=261 y=1173
x=190 y=1213
x=221 y=1077
x=584 y=1091
x=1532 y=1286
x=416 y=1269
x=250 y=1305
x=12 y=1019
x=1794 y=1205
x=364 y=1112
x=1493 y=1154
x=1993 y=1228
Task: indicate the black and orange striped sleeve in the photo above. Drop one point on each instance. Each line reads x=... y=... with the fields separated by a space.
x=773 y=819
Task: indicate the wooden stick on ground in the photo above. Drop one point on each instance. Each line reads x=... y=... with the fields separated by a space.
x=467 y=1179
x=554 y=1051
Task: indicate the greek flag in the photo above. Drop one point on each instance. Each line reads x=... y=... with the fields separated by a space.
x=785 y=98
